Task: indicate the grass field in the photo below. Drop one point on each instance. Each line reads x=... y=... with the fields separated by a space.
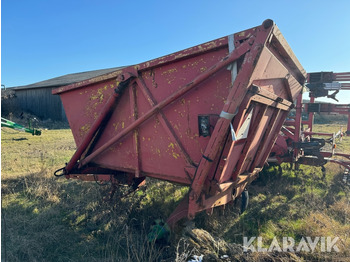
x=45 y=218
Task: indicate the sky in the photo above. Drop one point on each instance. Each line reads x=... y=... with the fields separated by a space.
x=43 y=39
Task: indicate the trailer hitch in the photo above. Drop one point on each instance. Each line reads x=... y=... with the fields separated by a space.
x=57 y=172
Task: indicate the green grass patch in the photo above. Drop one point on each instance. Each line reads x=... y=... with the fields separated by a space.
x=45 y=218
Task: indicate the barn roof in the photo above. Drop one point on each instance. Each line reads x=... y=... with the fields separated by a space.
x=68 y=79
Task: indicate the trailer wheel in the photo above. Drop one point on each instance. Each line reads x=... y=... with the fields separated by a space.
x=323 y=169
x=244 y=200
x=280 y=171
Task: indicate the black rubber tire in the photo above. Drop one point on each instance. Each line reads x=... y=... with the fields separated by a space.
x=244 y=201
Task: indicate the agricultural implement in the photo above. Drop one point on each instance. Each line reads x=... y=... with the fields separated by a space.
x=320 y=85
x=298 y=143
x=206 y=117
x=9 y=124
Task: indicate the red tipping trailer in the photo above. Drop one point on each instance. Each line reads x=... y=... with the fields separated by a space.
x=206 y=117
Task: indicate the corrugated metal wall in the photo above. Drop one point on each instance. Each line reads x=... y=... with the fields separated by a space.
x=40 y=102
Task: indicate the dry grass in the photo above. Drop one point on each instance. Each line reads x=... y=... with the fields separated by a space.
x=293 y=204
x=50 y=219
x=45 y=218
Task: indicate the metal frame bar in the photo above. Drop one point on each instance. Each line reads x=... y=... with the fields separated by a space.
x=164 y=121
x=233 y=102
x=237 y=53
x=266 y=137
x=252 y=133
x=136 y=140
x=88 y=139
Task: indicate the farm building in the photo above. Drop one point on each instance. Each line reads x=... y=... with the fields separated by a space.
x=37 y=98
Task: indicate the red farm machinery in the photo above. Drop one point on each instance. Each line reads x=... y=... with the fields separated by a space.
x=298 y=143
x=206 y=117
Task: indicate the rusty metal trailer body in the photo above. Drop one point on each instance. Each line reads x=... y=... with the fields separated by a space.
x=206 y=117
